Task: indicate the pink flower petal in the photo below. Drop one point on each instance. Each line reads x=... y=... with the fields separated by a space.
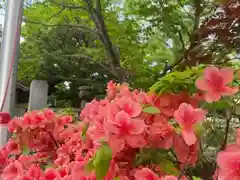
x=212 y=96
x=189 y=137
x=178 y=116
x=226 y=175
x=199 y=114
x=211 y=72
x=136 y=109
x=202 y=84
x=135 y=141
x=122 y=117
x=227 y=160
x=184 y=115
x=138 y=126
x=229 y=91
x=233 y=148
x=238 y=136
x=145 y=174
x=169 y=178
x=110 y=127
x=227 y=75
x=116 y=143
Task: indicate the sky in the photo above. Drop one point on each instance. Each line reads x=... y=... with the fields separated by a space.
x=1 y=19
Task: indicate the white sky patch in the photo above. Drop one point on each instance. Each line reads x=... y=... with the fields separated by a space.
x=67 y=84
x=1 y=19
x=170 y=42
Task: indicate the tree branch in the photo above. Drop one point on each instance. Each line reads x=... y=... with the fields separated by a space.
x=229 y=117
x=68 y=6
x=186 y=11
x=181 y=39
x=113 y=56
x=59 y=12
x=84 y=28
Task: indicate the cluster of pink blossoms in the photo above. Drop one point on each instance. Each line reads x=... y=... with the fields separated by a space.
x=48 y=146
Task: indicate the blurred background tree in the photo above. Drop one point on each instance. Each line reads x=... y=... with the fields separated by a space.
x=74 y=43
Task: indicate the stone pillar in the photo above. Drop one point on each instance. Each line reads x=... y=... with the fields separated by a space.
x=38 y=95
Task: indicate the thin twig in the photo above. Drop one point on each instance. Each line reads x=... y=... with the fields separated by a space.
x=68 y=6
x=229 y=117
x=54 y=141
x=184 y=166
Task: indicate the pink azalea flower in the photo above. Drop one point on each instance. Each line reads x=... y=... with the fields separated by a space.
x=238 y=136
x=185 y=154
x=13 y=147
x=229 y=163
x=124 y=130
x=161 y=134
x=62 y=160
x=169 y=178
x=131 y=107
x=35 y=171
x=5 y=118
x=215 y=83
x=187 y=117
x=51 y=174
x=145 y=174
x=49 y=114
x=111 y=90
x=13 y=170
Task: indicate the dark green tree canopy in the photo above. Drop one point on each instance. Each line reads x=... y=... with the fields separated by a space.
x=89 y=42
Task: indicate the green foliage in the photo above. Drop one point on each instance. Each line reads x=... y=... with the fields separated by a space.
x=169 y=167
x=25 y=150
x=177 y=81
x=199 y=129
x=151 y=110
x=196 y=178
x=84 y=132
x=100 y=162
x=159 y=157
x=219 y=105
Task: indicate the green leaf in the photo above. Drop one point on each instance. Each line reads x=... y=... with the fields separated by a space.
x=25 y=150
x=151 y=110
x=196 y=178
x=169 y=168
x=199 y=129
x=219 y=105
x=84 y=132
x=102 y=161
x=90 y=166
x=116 y=178
x=14 y=135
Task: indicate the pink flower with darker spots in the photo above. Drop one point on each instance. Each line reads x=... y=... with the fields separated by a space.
x=125 y=130
x=187 y=117
x=215 y=83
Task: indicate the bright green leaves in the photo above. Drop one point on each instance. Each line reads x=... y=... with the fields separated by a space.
x=151 y=110
x=177 y=81
x=199 y=129
x=196 y=178
x=169 y=167
x=100 y=162
x=84 y=132
x=25 y=150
